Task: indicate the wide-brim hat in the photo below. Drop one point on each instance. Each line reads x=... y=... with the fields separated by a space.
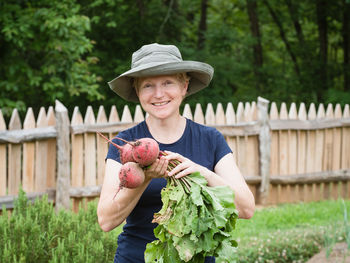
x=154 y=60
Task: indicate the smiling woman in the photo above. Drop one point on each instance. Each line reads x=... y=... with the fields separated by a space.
x=159 y=80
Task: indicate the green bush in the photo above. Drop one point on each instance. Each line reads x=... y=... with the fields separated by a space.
x=34 y=232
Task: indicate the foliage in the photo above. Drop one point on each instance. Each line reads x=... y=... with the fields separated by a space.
x=70 y=49
x=44 y=54
x=36 y=233
x=205 y=229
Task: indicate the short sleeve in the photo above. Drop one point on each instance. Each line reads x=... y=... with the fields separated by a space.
x=221 y=147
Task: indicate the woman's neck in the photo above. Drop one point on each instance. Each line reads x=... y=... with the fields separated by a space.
x=166 y=130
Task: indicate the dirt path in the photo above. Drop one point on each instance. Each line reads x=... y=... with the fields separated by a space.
x=340 y=254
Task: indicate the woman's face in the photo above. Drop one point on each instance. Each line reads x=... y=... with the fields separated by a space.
x=161 y=96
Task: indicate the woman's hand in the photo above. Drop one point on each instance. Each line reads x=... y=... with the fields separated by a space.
x=157 y=169
x=185 y=167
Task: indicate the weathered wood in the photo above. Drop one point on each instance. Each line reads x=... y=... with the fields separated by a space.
x=41 y=156
x=102 y=147
x=89 y=151
x=126 y=116
x=14 y=156
x=28 y=154
x=19 y=136
x=187 y=113
x=308 y=178
x=239 y=129
x=264 y=149
x=9 y=200
x=77 y=148
x=274 y=161
x=138 y=116
x=309 y=124
x=3 y=159
x=51 y=151
x=198 y=114
x=209 y=115
x=111 y=127
x=63 y=157
x=220 y=115
x=86 y=191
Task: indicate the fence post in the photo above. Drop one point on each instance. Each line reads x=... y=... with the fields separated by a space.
x=63 y=157
x=264 y=150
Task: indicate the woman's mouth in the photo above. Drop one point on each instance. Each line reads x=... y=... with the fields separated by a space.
x=160 y=103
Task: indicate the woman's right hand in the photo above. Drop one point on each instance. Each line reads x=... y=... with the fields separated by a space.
x=157 y=169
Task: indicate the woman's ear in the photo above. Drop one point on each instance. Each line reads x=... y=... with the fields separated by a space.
x=184 y=92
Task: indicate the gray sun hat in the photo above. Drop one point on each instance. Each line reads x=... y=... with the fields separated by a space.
x=154 y=60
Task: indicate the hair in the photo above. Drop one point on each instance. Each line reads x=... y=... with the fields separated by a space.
x=181 y=77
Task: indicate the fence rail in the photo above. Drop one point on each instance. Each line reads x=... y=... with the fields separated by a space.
x=285 y=155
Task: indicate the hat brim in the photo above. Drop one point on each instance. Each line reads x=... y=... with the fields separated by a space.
x=200 y=77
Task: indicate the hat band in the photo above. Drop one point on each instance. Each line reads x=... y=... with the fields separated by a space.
x=156 y=57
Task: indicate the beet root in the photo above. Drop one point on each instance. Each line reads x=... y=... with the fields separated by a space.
x=146 y=151
x=131 y=175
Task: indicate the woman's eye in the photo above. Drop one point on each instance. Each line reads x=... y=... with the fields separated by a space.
x=147 y=85
x=168 y=82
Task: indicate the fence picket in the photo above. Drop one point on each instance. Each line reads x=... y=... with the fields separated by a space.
x=274 y=152
x=77 y=142
x=51 y=151
x=284 y=190
x=187 y=113
x=15 y=160
x=3 y=162
x=209 y=115
x=138 y=117
x=41 y=155
x=113 y=117
x=198 y=114
x=220 y=115
x=337 y=186
x=90 y=150
x=293 y=153
x=126 y=116
x=309 y=194
x=231 y=119
x=102 y=147
x=301 y=153
x=345 y=152
x=320 y=134
x=28 y=154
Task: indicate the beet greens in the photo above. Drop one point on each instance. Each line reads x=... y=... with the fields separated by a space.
x=195 y=221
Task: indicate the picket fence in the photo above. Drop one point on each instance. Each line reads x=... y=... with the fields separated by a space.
x=285 y=155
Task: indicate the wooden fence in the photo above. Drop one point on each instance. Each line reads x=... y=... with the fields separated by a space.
x=285 y=155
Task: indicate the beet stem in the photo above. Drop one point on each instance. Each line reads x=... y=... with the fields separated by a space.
x=108 y=140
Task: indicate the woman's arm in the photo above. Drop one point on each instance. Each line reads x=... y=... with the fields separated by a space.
x=113 y=209
x=225 y=172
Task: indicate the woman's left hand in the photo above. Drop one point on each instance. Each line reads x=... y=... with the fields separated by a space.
x=185 y=167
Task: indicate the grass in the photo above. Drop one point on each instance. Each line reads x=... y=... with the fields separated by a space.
x=292 y=232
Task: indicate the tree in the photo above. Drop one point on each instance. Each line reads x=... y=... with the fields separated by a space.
x=44 y=54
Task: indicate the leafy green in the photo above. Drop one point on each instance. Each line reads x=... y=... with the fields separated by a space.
x=195 y=221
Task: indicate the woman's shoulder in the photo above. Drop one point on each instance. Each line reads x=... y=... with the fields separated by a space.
x=202 y=129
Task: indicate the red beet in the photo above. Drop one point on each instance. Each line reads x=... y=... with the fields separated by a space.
x=146 y=151
x=131 y=176
x=125 y=150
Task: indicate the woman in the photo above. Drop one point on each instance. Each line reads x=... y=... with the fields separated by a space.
x=159 y=80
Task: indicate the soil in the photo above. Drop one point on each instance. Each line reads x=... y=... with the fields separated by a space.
x=339 y=254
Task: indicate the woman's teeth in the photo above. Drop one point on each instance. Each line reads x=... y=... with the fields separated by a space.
x=160 y=103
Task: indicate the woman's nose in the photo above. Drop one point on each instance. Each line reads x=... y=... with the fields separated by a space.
x=159 y=91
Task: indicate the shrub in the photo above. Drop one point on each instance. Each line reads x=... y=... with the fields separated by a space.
x=34 y=232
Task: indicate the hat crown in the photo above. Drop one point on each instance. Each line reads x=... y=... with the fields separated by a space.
x=155 y=53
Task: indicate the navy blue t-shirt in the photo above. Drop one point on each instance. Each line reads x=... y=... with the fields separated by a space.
x=201 y=144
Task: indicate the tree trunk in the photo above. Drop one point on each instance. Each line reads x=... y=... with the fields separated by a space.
x=346 y=44
x=202 y=25
x=295 y=20
x=284 y=38
x=321 y=12
x=257 y=48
